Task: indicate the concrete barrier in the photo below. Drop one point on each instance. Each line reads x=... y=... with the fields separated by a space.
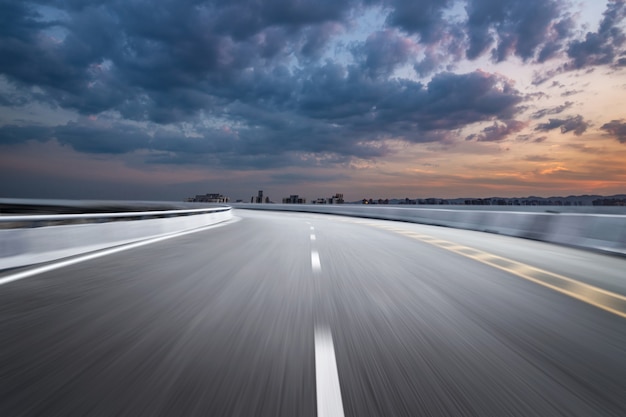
x=30 y=245
x=605 y=232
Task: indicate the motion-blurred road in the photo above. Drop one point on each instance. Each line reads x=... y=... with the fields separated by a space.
x=425 y=321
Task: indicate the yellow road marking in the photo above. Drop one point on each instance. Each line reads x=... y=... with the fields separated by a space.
x=603 y=299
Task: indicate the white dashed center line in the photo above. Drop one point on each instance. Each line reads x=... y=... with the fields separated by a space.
x=315 y=261
x=329 y=403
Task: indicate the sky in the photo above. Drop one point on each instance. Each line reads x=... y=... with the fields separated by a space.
x=166 y=99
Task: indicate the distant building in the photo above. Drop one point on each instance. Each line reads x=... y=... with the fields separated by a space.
x=294 y=199
x=259 y=199
x=372 y=201
x=609 y=202
x=433 y=201
x=336 y=199
x=208 y=198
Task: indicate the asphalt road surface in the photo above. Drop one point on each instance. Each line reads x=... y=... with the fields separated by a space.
x=293 y=314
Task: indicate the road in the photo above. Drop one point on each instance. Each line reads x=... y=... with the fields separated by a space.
x=294 y=314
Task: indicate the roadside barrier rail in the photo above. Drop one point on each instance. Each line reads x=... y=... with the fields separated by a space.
x=603 y=232
x=32 y=239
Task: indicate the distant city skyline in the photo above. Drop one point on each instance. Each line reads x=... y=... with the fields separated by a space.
x=338 y=198
x=416 y=98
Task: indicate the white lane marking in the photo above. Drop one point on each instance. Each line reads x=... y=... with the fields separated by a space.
x=82 y=258
x=312 y=237
x=329 y=402
x=312 y=228
x=315 y=261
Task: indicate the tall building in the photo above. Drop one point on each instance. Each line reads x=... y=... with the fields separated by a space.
x=336 y=199
x=294 y=199
x=259 y=197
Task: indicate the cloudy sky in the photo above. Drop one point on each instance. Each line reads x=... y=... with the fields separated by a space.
x=163 y=99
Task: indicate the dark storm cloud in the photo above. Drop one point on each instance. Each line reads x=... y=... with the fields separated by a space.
x=123 y=55
x=553 y=110
x=383 y=51
x=606 y=46
x=497 y=131
x=81 y=136
x=207 y=141
x=340 y=112
x=256 y=80
x=559 y=32
x=422 y=17
x=453 y=100
x=12 y=134
x=603 y=46
x=512 y=27
x=617 y=129
x=95 y=138
x=244 y=18
x=316 y=37
x=530 y=29
x=18 y=22
x=406 y=108
x=574 y=124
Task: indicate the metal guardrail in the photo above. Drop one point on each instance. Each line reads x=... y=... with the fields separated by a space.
x=26 y=239
x=604 y=232
x=42 y=220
